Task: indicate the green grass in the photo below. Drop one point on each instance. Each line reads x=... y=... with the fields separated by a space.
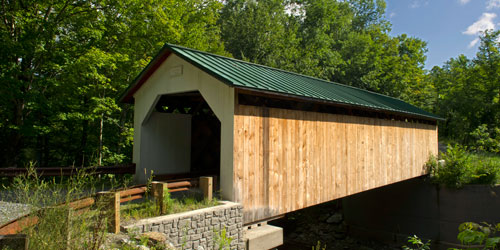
x=485 y=158
x=486 y=166
x=148 y=208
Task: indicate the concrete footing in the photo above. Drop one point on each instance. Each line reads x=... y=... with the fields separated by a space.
x=263 y=237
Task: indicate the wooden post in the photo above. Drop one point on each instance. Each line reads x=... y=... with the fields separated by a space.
x=159 y=192
x=215 y=182
x=14 y=242
x=109 y=202
x=206 y=184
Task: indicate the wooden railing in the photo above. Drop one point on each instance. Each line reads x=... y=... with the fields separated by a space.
x=67 y=171
x=111 y=201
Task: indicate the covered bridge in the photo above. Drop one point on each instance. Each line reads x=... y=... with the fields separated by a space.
x=279 y=141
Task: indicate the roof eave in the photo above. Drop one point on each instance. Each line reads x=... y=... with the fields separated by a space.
x=340 y=104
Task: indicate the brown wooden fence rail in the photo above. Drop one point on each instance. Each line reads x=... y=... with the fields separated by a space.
x=114 y=199
x=67 y=171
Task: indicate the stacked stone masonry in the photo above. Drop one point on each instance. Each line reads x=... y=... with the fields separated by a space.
x=198 y=229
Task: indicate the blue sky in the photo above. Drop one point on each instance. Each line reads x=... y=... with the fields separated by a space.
x=450 y=27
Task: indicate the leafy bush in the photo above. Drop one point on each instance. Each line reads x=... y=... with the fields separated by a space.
x=461 y=167
x=486 y=140
x=479 y=236
x=417 y=244
x=221 y=240
x=318 y=246
x=455 y=172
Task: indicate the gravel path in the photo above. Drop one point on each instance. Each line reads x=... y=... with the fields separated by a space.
x=10 y=211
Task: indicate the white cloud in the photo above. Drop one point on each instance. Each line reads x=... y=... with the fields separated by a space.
x=393 y=14
x=463 y=2
x=485 y=22
x=417 y=3
x=473 y=42
x=493 y=4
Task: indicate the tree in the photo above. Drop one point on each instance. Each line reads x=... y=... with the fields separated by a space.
x=260 y=32
x=64 y=63
x=341 y=41
x=488 y=72
x=37 y=40
x=467 y=92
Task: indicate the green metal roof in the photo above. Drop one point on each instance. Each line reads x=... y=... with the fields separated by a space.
x=247 y=75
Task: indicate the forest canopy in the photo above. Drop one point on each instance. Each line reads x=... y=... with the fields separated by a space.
x=65 y=63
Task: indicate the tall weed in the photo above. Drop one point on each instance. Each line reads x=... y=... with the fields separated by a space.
x=59 y=226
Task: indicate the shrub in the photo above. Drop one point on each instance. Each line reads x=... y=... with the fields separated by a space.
x=319 y=246
x=417 y=244
x=461 y=167
x=221 y=240
x=486 y=140
x=479 y=236
x=455 y=172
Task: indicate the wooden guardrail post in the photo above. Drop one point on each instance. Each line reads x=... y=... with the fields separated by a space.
x=159 y=192
x=14 y=242
x=109 y=202
x=206 y=184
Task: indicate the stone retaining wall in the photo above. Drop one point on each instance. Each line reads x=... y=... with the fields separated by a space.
x=197 y=229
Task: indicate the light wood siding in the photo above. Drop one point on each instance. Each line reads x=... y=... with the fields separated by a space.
x=286 y=160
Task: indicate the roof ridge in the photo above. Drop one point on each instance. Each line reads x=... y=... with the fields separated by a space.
x=277 y=69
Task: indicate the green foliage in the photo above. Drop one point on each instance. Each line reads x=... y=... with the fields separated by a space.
x=342 y=41
x=65 y=63
x=148 y=207
x=221 y=240
x=467 y=94
x=479 y=236
x=59 y=226
x=136 y=211
x=486 y=140
x=461 y=167
x=167 y=200
x=417 y=244
x=318 y=246
x=136 y=242
x=456 y=171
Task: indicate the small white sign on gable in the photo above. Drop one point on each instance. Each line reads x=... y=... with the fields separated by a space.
x=175 y=71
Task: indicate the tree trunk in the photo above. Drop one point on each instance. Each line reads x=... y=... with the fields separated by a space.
x=80 y=154
x=15 y=139
x=123 y=120
x=99 y=161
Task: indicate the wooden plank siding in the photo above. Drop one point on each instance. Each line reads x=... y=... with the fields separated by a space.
x=285 y=160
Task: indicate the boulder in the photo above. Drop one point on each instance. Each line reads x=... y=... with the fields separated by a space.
x=335 y=218
x=155 y=237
